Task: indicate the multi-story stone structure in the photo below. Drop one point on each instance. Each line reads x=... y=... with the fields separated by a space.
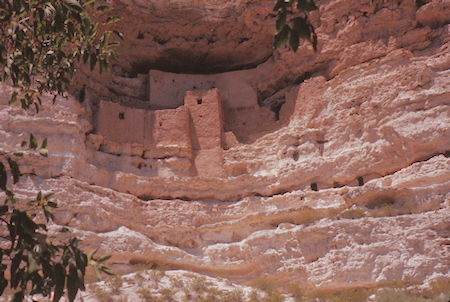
x=193 y=131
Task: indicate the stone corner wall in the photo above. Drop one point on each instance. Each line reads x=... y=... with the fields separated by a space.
x=193 y=130
x=205 y=110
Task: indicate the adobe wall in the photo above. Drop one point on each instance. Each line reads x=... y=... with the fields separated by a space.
x=121 y=124
x=205 y=111
x=167 y=133
x=162 y=133
x=242 y=115
x=167 y=90
x=193 y=131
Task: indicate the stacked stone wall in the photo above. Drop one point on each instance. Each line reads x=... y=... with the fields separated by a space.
x=192 y=131
x=167 y=90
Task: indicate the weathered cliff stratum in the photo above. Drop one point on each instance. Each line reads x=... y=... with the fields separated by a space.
x=326 y=169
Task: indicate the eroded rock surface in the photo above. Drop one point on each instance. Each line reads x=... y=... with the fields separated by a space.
x=345 y=185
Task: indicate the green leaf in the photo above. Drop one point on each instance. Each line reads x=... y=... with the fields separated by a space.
x=80 y=275
x=105 y=37
x=3 y=177
x=93 y=61
x=43 y=227
x=64 y=230
x=118 y=33
x=294 y=40
x=24 y=104
x=18 y=153
x=307 y=5
x=112 y=19
x=103 y=8
x=281 y=20
x=60 y=278
x=43 y=152
x=14 y=169
x=52 y=204
x=33 y=143
x=4 y=15
x=49 y=10
x=33 y=266
x=280 y=4
x=91 y=254
x=73 y=283
x=15 y=267
x=3 y=209
x=107 y=270
x=17 y=6
x=36 y=106
x=103 y=65
x=85 y=57
x=48 y=213
x=103 y=259
x=74 y=242
x=98 y=273
x=7 y=71
x=282 y=36
x=10 y=196
x=13 y=98
x=44 y=143
x=49 y=196
x=302 y=28
x=81 y=260
x=88 y=2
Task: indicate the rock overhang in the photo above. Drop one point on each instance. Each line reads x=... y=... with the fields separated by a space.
x=194 y=36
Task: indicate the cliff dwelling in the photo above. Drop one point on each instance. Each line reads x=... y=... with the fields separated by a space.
x=191 y=131
x=183 y=120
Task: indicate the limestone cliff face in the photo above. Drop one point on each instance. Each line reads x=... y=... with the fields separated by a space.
x=326 y=169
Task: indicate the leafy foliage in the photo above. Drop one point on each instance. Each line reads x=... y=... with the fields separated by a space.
x=40 y=43
x=42 y=40
x=99 y=264
x=37 y=265
x=297 y=27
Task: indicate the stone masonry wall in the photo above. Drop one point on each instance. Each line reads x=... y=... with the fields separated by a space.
x=192 y=130
x=205 y=111
x=167 y=90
